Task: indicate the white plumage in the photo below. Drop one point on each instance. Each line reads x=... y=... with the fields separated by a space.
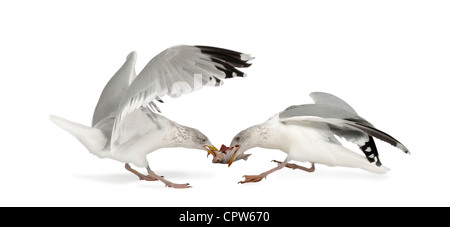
x=306 y=133
x=173 y=72
x=126 y=125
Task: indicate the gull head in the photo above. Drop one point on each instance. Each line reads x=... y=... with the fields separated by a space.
x=192 y=138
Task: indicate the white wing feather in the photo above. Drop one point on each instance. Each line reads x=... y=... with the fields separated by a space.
x=177 y=71
x=115 y=89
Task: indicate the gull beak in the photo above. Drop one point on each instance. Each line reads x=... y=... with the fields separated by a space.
x=234 y=156
x=211 y=150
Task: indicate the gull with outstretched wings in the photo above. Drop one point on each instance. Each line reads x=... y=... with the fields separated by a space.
x=127 y=124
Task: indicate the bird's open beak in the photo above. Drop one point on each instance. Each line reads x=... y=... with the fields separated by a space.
x=211 y=150
x=235 y=148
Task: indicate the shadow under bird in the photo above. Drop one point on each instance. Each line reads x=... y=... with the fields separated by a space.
x=306 y=133
x=127 y=124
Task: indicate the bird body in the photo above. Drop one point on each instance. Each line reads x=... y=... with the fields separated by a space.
x=127 y=124
x=309 y=143
x=308 y=133
x=140 y=138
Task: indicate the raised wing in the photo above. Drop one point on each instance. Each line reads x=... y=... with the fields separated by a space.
x=327 y=106
x=179 y=70
x=329 y=99
x=115 y=89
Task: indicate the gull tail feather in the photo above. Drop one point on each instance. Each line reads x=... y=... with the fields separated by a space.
x=92 y=138
x=373 y=168
x=348 y=158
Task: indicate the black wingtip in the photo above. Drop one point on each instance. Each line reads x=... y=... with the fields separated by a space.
x=227 y=60
x=380 y=135
x=229 y=70
x=234 y=58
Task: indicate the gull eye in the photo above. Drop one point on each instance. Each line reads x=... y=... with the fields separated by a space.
x=203 y=140
x=238 y=138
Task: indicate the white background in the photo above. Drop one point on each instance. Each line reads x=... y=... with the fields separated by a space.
x=389 y=59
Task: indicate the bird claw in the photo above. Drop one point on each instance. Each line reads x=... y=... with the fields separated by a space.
x=251 y=178
x=187 y=185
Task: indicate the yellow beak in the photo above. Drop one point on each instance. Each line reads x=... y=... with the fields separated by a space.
x=232 y=159
x=211 y=149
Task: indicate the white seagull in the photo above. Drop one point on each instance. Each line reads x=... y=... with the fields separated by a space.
x=126 y=125
x=306 y=133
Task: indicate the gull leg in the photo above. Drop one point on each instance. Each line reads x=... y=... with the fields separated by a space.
x=258 y=178
x=153 y=177
x=140 y=175
x=166 y=182
x=294 y=166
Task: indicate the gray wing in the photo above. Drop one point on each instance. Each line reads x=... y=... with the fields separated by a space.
x=347 y=125
x=179 y=70
x=329 y=99
x=115 y=89
x=318 y=110
x=342 y=120
x=367 y=145
x=326 y=105
x=326 y=111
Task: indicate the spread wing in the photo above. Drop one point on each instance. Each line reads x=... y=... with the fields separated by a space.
x=177 y=71
x=115 y=89
x=348 y=125
x=329 y=99
x=342 y=120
